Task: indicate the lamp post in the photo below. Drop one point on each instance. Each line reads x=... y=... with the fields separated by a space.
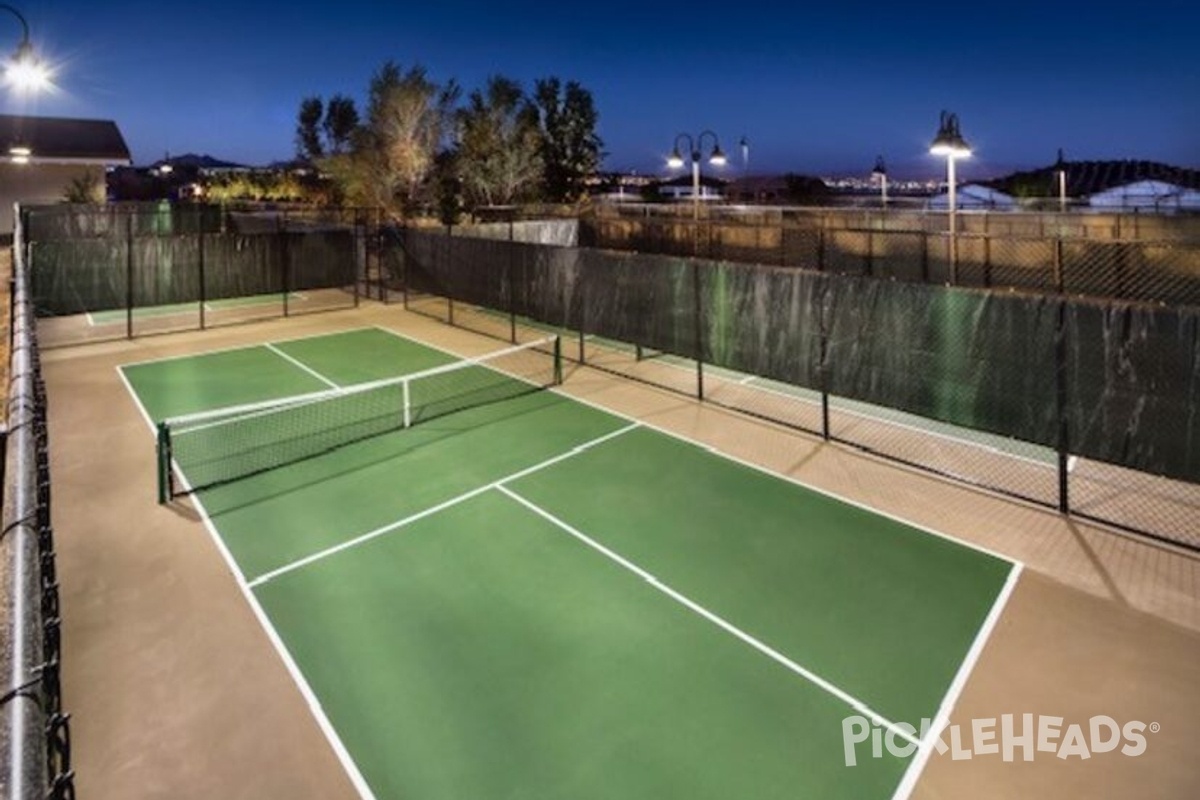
x=879 y=173
x=716 y=158
x=1060 y=167
x=949 y=143
x=24 y=69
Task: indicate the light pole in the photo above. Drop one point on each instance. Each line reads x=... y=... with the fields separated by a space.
x=716 y=158
x=879 y=173
x=1061 y=169
x=949 y=143
x=25 y=70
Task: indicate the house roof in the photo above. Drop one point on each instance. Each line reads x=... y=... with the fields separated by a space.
x=56 y=138
x=1091 y=177
x=973 y=195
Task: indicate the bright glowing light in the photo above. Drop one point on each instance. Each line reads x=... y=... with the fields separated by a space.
x=675 y=161
x=20 y=155
x=717 y=159
x=26 y=72
x=952 y=151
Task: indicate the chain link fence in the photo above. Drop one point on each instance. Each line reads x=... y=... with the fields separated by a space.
x=126 y=270
x=1081 y=404
x=1147 y=258
x=35 y=735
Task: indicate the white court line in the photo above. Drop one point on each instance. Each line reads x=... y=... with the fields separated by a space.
x=744 y=462
x=293 y=670
x=238 y=347
x=942 y=719
x=393 y=526
x=301 y=365
x=728 y=627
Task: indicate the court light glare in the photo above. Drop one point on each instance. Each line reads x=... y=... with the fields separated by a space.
x=717 y=159
x=24 y=70
x=675 y=160
x=949 y=141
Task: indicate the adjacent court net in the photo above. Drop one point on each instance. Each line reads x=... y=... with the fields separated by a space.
x=222 y=445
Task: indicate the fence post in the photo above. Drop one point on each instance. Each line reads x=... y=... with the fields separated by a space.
x=284 y=266
x=129 y=275
x=822 y=363
x=512 y=291
x=402 y=237
x=1061 y=400
x=363 y=241
x=449 y=291
x=698 y=325
x=200 y=265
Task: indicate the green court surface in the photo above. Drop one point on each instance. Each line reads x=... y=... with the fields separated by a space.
x=119 y=315
x=535 y=598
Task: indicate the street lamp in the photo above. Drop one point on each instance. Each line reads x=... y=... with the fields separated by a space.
x=949 y=143
x=25 y=70
x=716 y=158
x=879 y=173
x=1061 y=168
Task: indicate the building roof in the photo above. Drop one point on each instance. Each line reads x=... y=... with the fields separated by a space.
x=1091 y=177
x=974 y=195
x=60 y=139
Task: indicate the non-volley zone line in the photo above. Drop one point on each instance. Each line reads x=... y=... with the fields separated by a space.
x=401 y=523
x=501 y=486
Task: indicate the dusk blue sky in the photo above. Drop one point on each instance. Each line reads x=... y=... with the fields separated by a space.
x=816 y=88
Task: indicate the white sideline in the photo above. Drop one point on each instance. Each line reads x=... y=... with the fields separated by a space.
x=728 y=627
x=310 y=697
x=917 y=766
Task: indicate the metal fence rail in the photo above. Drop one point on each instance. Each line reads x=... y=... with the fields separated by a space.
x=35 y=742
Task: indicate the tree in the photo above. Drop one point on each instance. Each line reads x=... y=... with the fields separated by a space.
x=571 y=150
x=340 y=123
x=409 y=117
x=308 y=130
x=500 y=143
x=805 y=189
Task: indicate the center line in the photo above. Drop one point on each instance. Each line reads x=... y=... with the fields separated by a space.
x=366 y=537
x=302 y=366
x=728 y=627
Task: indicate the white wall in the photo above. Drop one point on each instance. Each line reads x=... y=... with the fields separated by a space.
x=37 y=183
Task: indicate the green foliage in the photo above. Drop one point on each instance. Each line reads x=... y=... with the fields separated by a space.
x=258 y=186
x=500 y=145
x=448 y=191
x=409 y=117
x=340 y=123
x=87 y=187
x=308 y=132
x=415 y=149
x=571 y=149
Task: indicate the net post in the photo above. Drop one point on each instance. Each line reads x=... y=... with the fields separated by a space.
x=129 y=275
x=165 y=488
x=558 y=370
x=407 y=403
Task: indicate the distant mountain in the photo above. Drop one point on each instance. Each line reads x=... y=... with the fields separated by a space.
x=1089 y=177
